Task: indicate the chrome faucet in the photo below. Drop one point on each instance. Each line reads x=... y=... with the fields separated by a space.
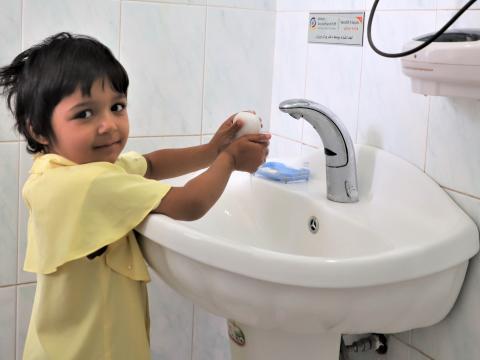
x=338 y=147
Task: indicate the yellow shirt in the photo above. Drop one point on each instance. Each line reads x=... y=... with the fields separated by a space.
x=88 y=309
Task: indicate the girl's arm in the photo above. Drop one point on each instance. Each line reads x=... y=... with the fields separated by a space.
x=193 y=200
x=168 y=163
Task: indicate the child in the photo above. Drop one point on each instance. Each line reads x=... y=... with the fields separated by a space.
x=69 y=96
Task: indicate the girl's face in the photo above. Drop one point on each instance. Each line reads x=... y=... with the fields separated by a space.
x=90 y=128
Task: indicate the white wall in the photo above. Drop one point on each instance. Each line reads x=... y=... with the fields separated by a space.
x=191 y=63
x=439 y=135
x=243 y=54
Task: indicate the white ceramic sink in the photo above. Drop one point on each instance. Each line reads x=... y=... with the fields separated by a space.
x=393 y=261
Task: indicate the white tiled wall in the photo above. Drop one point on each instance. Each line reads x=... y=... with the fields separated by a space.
x=191 y=63
x=100 y=19
x=10 y=45
x=187 y=61
x=390 y=115
x=156 y=49
x=242 y=40
x=7 y=321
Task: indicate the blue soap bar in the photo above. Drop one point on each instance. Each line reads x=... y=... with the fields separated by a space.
x=277 y=171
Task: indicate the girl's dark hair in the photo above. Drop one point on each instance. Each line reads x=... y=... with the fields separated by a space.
x=41 y=76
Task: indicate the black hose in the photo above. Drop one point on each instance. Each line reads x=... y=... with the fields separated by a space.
x=426 y=43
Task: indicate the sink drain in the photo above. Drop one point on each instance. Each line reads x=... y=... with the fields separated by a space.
x=313 y=224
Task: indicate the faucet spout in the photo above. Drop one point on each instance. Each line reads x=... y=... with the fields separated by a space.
x=338 y=147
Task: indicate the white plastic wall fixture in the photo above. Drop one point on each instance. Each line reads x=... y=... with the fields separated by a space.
x=444 y=68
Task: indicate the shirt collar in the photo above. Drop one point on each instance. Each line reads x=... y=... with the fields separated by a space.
x=45 y=162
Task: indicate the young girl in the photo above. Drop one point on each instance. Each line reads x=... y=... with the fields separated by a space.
x=69 y=96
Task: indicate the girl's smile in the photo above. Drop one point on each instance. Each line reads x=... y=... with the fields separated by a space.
x=92 y=127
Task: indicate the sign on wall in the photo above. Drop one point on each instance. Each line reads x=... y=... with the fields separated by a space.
x=336 y=28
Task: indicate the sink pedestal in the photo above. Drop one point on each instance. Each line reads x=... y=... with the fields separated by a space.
x=248 y=343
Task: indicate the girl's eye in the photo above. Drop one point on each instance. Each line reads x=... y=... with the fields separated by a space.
x=118 y=107
x=85 y=114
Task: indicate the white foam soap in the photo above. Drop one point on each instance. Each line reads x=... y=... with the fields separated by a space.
x=251 y=123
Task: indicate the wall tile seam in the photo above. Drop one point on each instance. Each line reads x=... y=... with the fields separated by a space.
x=198 y=5
x=27 y=284
x=294 y=12
x=7 y=285
x=410 y=346
x=302 y=133
x=402 y=9
x=457 y=8
x=425 y=157
x=273 y=55
x=311 y=146
x=120 y=27
x=204 y=73
x=294 y=140
x=161 y=3
x=22 y=38
x=206 y=134
x=476 y=11
x=15 y=341
x=22 y=11
x=429 y=102
x=192 y=342
x=328 y=10
x=166 y=136
x=241 y=8
x=475 y=197
x=17 y=285
x=419 y=10
x=315 y=10
x=19 y=192
x=357 y=122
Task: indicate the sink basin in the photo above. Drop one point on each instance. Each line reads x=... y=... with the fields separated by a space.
x=292 y=271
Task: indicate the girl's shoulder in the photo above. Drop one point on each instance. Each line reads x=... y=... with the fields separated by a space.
x=131 y=162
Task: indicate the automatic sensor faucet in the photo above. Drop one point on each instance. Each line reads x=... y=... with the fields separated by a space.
x=340 y=155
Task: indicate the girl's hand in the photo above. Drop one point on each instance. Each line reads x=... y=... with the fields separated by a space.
x=249 y=151
x=226 y=133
